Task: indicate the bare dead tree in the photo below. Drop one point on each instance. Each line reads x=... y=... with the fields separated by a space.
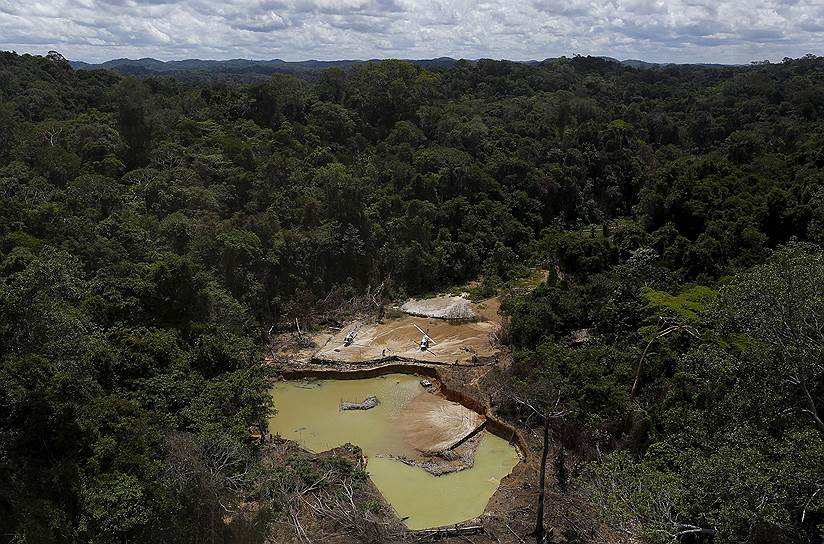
x=142 y=176
x=338 y=505
x=810 y=500
x=333 y=499
x=167 y=159
x=50 y=135
x=547 y=415
x=212 y=475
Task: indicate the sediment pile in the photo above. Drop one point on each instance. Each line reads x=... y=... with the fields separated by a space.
x=434 y=425
x=453 y=308
x=446 y=462
x=367 y=404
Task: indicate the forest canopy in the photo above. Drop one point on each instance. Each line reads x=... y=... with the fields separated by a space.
x=152 y=231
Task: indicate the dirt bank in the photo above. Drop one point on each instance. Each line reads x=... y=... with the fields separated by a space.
x=355 y=372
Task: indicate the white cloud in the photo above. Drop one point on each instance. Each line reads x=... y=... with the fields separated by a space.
x=654 y=30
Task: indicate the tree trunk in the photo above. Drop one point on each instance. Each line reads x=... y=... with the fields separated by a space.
x=560 y=468
x=540 y=533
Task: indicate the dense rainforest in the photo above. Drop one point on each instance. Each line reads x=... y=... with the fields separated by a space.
x=152 y=231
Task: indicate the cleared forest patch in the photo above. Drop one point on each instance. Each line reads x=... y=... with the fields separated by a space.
x=463 y=342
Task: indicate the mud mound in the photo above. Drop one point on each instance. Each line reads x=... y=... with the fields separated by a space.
x=367 y=404
x=440 y=308
x=434 y=425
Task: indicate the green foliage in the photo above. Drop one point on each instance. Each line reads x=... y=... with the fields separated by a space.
x=151 y=232
x=114 y=506
x=685 y=308
x=636 y=497
x=776 y=306
x=591 y=381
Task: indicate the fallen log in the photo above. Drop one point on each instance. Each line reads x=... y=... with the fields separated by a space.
x=443 y=532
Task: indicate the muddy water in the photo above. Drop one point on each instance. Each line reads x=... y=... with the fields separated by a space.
x=308 y=412
x=432 y=501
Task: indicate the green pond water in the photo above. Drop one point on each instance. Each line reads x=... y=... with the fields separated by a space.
x=309 y=413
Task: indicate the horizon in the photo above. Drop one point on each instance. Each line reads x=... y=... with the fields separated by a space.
x=677 y=31
x=410 y=59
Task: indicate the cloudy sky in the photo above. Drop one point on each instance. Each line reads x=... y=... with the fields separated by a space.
x=728 y=31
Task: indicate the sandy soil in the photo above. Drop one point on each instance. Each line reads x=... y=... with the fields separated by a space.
x=459 y=342
x=453 y=342
x=444 y=307
x=458 y=458
x=432 y=424
x=488 y=310
x=288 y=348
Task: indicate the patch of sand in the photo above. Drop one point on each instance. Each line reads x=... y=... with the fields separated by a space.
x=451 y=342
x=433 y=425
x=445 y=307
x=488 y=309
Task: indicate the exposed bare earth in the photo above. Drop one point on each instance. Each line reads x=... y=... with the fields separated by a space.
x=444 y=307
x=460 y=342
x=452 y=343
x=433 y=425
x=455 y=459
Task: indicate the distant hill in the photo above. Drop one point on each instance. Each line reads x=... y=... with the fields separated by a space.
x=240 y=69
x=255 y=70
x=643 y=65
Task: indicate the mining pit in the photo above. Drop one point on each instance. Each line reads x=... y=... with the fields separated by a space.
x=409 y=441
x=436 y=456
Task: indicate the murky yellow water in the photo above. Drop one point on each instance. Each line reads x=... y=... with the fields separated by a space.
x=308 y=412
